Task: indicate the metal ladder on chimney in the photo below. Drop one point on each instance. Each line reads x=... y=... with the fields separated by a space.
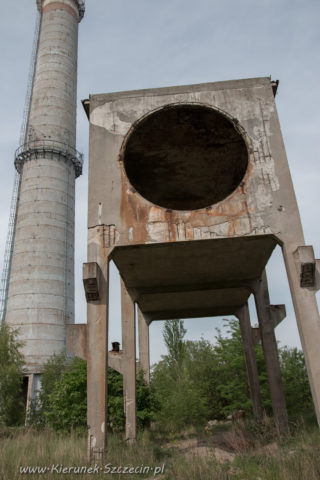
x=16 y=184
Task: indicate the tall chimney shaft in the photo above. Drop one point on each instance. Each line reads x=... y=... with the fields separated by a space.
x=40 y=298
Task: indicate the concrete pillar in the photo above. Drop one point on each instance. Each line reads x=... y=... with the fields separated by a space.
x=30 y=395
x=96 y=286
x=144 y=346
x=270 y=350
x=129 y=363
x=251 y=363
x=307 y=316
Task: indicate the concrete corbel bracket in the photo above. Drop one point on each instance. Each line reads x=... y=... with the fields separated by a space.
x=307 y=267
x=91 y=275
x=278 y=313
x=317 y=274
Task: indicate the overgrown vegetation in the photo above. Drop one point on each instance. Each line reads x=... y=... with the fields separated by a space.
x=194 y=382
x=295 y=381
x=11 y=377
x=62 y=401
x=198 y=381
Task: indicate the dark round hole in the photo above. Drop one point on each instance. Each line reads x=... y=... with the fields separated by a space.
x=185 y=157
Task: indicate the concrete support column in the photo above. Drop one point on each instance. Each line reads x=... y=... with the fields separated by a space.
x=144 y=346
x=129 y=364
x=30 y=394
x=96 y=279
x=270 y=350
x=251 y=363
x=307 y=316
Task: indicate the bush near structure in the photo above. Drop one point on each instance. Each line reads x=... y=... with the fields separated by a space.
x=195 y=382
x=11 y=377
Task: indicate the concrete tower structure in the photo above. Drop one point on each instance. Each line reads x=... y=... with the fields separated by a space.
x=40 y=300
x=189 y=193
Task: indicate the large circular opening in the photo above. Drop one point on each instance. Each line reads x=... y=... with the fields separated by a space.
x=185 y=157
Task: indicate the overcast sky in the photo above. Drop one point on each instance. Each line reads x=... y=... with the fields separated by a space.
x=134 y=44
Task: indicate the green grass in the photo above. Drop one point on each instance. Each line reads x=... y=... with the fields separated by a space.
x=297 y=458
x=292 y=458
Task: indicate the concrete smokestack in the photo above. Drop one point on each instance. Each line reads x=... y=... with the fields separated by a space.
x=40 y=298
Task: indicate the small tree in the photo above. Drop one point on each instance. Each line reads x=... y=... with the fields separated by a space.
x=11 y=377
x=173 y=335
x=179 y=400
x=231 y=374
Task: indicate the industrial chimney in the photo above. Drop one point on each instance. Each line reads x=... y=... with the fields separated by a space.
x=39 y=298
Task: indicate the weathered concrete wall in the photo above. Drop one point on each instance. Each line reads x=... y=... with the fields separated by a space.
x=256 y=206
x=76 y=343
x=41 y=288
x=76 y=340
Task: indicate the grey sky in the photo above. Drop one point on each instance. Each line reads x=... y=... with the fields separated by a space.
x=126 y=44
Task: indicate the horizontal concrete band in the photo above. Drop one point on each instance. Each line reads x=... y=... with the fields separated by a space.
x=61 y=184
x=35 y=259
x=40 y=245
x=61 y=6
x=43 y=315
x=46 y=209
x=80 y=5
x=51 y=331
x=50 y=233
x=27 y=286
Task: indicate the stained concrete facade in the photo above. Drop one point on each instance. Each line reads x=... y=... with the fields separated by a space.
x=189 y=193
x=41 y=285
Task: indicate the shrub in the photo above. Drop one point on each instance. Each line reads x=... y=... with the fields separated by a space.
x=62 y=402
x=67 y=407
x=11 y=377
x=295 y=381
